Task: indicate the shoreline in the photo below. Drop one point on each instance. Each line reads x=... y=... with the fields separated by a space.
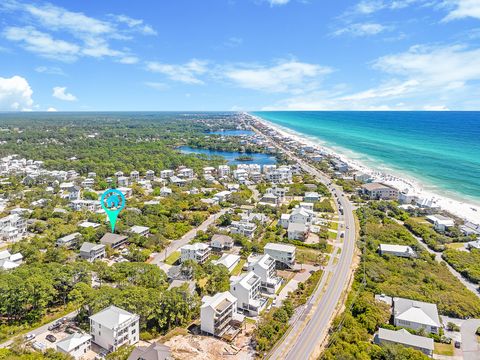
x=459 y=207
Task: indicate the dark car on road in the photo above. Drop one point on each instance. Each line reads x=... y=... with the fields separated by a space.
x=51 y=338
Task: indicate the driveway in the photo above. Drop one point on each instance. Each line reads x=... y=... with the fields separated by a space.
x=471 y=350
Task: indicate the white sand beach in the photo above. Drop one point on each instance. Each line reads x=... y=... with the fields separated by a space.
x=462 y=209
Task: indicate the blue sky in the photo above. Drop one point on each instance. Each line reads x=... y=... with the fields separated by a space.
x=239 y=55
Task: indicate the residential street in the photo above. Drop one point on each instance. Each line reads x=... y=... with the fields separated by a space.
x=185 y=239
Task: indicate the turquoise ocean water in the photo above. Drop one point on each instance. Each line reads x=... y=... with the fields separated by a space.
x=440 y=150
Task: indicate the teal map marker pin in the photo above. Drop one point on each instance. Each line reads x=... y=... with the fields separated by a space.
x=112 y=201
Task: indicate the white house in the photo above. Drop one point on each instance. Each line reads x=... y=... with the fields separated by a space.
x=165 y=191
x=247 y=291
x=404 y=338
x=134 y=176
x=222 y=195
x=166 y=174
x=75 y=345
x=10 y=261
x=198 y=252
x=284 y=254
x=473 y=245
x=397 y=250
x=185 y=173
x=243 y=227
x=440 y=222
x=297 y=231
x=228 y=260
x=92 y=252
x=12 y=227
x=218 y=312
x=69 y=241
x=123 y=181
x=113 y=327
x=150 y=175
x=140 y=230
x=416 y=315
x=221 y=242
x=299 y=215
x=223 y=170
x=311 y=197
x=264 y=266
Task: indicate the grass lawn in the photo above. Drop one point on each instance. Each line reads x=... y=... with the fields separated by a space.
x=332 y=235
x=238 y=269
x=172 y=258
x=443 y=349
x=309 y=256
x=455 y=246
x=334 y=225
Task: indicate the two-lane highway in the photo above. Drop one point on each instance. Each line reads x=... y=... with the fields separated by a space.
x=306 y=335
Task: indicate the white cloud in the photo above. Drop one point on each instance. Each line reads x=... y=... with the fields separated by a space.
x=463 y=9
x=278 y=2
x=42 y=43
x=362 y=29
x=233 y=42
x=53 y=70
x=15 y=94
x=88 y=36
x=51 y=109
x=60 y=92
x=413 y=78
x=136 y=24
x=129 y=60
x=187 y=73
x=448 y=67
x=436 y=108
x=156 y=85
x=285 y=76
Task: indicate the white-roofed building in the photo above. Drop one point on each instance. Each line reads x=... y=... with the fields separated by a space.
x=228 y=260
x=198 y=252
x=311 y=197
x=75 y=345
x=284 y=254
x=140 y=230
x=473 y=245
x=397 y=250
x=243 y=227
x=218 y=312
x=440 y=222
x=10 y=261
x=416 y=315
x=404 y=338
x=246 y=289
x=297 y=231
x=264 y=267
x=113 y=327
x=88 y=224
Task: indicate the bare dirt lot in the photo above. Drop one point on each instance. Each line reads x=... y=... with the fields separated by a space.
x=199 y=347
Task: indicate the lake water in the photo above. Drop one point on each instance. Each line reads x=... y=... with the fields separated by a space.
x=230 y=156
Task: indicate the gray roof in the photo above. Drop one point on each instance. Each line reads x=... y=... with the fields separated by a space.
x=112 y=316
x=112 y=239
x=416 y=311
x=403 y=337
x=155 y=351
x=297 y=227
x=72 y=341
x=87 y=247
